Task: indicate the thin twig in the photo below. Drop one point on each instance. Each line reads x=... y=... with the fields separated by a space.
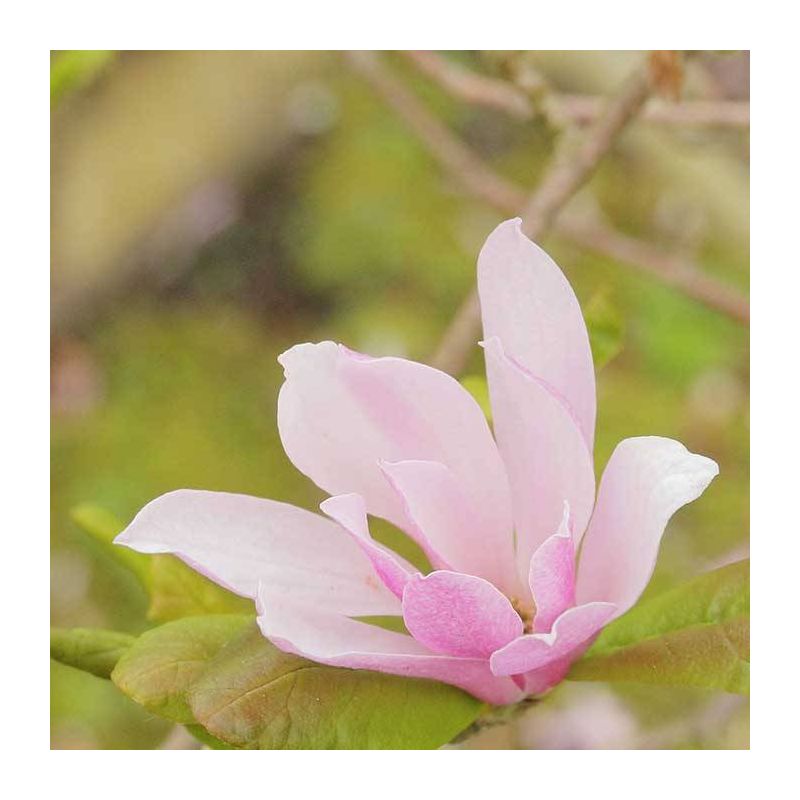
x=566 y=174
x=501 y=95
x=477 y=178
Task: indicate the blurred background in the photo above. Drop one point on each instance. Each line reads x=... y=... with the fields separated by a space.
x=211 y=208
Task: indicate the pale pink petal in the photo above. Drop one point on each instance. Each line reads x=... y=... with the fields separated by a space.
x=459 y=615
x=454 y=530
x=552 y=576
x=351 y=513
x=529 y=305
x=545 y=454
x=239 y=541
x=336 y=640
x=340 y=414
x=535 y=651
x=539 y=681
x=646 y=480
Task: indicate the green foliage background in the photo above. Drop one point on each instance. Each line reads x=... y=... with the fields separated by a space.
x=194 y=242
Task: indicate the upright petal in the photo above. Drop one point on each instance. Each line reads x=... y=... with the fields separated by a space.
x=340 y=414
x=529 y=305
x=536 y=651
x=329 y=638
x=239 y=541
x=351 y=513
x=459 y=615
x=455 y=531
x=646 y=480
x=552 y=576
x=545 y=454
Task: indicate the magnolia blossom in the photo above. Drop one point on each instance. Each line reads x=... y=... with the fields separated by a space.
x=508 y=605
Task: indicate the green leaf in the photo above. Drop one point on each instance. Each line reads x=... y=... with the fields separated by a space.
x=202 y=735
x=177 y=591
x=606 y=329
x=161 y=665
x=103 y=527
x=91 y=650
x=254 y=696
x=696 y=635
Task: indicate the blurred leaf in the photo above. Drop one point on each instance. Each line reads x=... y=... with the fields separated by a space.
x=74 y=69
x=202 y=735
x=477 y=386
x=89 y=649
x=163 y=662
x=387 y=622
x=177 y=591
x=696 y=635
x=606 y=329
x=254 y=696
x=103 y=527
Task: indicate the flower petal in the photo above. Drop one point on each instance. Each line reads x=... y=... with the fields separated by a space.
x=336 y=640
x=340 y=413
x=539 y=681
x=544 y=452
x=351 y=513
x=647 y=479
x=454 y=530
x=552 y=576
x=534 y=651
x=529 y=305
x=459 y=615
x=239 y=541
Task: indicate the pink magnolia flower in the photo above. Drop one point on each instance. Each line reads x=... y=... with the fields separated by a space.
x=508 y=606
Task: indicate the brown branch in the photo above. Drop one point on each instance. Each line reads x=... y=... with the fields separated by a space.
x=481 y=181
x=494 y=93
x=565 y=175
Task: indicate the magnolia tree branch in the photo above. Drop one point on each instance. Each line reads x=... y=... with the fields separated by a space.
x=570 y=167
x=480 y=180
x=501 y=95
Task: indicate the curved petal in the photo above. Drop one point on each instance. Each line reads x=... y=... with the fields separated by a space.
x=529 y=305
x=454 y=530
x=539 y=681
x=647 y=479
x=459 y=615
x=351 y=513
x=535 y=651
x=552 y=576
x=544 y=452
x=342 y=642
x=238 y=541
x=340 y=413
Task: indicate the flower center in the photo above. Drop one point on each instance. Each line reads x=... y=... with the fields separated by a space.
x=526 y=612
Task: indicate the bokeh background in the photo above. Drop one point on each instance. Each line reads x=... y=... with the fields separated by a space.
x=209 y=209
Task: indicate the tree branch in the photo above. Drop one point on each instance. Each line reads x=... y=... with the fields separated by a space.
x=494 y=93
x=477 y=178
x=568 y=171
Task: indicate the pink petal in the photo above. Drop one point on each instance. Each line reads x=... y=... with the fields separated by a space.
x=329 y=638
x=455 y=532
x=239 y=541
x=535 y=651
x=529 y=305
x=539 y=681
x=544 y=452
x=459 y=615
x=552 y=576
x=340 y=414
x=350 y=512
x=646 y=480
